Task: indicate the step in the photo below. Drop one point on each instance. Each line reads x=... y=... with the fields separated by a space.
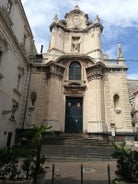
x=70 y=139
x=73 y=147
x=61 y=152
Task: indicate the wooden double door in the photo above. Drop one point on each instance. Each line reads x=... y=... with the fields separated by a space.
x=74 y=115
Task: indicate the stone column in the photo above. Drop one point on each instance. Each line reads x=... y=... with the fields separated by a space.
x=54 y=74
x=97 y=44
x=96 y=114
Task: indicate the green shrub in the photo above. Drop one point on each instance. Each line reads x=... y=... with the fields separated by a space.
x=9 y=162
x=127 y=163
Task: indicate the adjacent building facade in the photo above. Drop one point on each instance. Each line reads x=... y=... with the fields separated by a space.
x=77 y=88
x=16 y=45
x=133 y=94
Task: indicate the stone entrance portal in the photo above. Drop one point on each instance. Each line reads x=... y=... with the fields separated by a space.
x=73 y=120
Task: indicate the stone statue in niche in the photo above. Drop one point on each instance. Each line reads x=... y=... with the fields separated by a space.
x=76 y=44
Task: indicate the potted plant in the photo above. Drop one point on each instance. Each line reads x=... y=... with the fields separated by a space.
x=3 y=161
x=36 y=134
x=9 y=163
x=127 y=164
x=11 y=169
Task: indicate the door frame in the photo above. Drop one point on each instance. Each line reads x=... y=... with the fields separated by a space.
x=80 y=99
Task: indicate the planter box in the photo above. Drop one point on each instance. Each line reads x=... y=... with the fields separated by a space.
x=136 y=143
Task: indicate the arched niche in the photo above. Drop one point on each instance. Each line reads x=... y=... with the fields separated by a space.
x=116 y=100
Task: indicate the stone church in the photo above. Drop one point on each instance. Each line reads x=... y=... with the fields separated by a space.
x=75 y=87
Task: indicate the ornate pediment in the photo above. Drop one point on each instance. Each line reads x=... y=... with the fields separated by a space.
x=76 y=21
x=74 y=86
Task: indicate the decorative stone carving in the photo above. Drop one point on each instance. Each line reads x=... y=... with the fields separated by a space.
x=76 y=20
x=3 y=44
x=54 y=71
x=74 y=84
x=95 y=72
x=74 y=91
x=74 y=87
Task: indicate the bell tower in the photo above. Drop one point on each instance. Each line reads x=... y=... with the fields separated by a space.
x=76 y=34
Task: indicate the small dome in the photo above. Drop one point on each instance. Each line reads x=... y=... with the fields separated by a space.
x=76 y=7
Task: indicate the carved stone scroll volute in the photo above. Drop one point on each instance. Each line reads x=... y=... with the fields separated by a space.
x=95 y=72
x=55 y=71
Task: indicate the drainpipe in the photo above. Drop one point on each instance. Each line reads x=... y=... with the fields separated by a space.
x=28 y=89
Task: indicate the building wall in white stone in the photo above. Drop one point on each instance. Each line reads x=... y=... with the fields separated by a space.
x=13 y=66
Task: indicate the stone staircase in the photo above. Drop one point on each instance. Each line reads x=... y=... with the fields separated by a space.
x=75 y=147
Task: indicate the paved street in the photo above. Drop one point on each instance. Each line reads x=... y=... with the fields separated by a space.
x=70 y=172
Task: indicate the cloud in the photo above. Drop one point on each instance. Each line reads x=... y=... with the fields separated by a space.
x=112 y=52
x=115 y=12
x=115 y=15
x=133 y=76
x=119 y=18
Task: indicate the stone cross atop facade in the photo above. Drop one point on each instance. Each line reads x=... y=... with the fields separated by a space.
x=76 y=1
x=76 y=5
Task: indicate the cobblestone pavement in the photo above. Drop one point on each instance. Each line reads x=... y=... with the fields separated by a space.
x=70 y=172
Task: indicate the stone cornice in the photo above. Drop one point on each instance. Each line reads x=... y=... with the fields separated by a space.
x=92 y=51
x=4 y=14
x=55 y=71
x=78 y=11
x=23 y=14
x=75 y=57
x=86 y=30
x=116 y=69
x=8 y=24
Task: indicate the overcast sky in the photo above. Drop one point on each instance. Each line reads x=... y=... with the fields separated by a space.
x=119 y=18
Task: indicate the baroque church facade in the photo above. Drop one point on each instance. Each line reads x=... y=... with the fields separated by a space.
x=76 y=87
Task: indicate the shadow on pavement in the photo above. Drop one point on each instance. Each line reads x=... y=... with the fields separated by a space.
x=71 y=180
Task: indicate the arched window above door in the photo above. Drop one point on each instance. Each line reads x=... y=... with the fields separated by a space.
x=75 y=71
